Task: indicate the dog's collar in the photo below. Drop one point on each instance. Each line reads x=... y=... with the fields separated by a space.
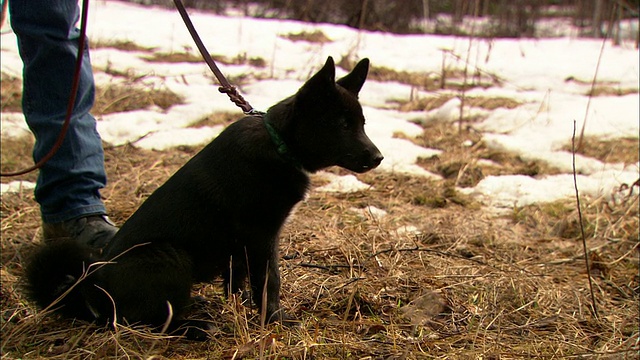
x=281 y=147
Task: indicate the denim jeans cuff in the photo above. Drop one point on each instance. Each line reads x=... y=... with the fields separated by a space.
x=74 y=213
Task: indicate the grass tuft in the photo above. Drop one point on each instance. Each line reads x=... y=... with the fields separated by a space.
x=621 y=150
x=123 y=45
x=118 y=98
x=187 y=57
x=174 y=57
x=316 y=36
x=611 y=91
x=435 y=102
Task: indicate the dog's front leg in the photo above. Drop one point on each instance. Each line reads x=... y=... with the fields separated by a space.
x=265 y=276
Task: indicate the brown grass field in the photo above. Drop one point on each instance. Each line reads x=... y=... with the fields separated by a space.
x=467 y=284
x=437 y=277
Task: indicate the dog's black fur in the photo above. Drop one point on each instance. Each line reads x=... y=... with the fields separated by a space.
x=220 y=214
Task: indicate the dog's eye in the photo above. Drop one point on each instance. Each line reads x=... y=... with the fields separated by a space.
x=344 y=123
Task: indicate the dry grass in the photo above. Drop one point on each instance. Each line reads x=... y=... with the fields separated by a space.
x=491 y=103
x=621 y=150
x=603 y=88
x=431 y=279
x=123 y=45
x=11 y=94
x=16 y=155
x=316 y=36
x=118 y=98
x=174 y=57
x=423 y=104
x=241 y=59
x=188 y=57
x=109 y=98
x=435 y=102
x=611 y=91
x=466 y=159
x=436 y=277
x=451 y=79
x=447 y=78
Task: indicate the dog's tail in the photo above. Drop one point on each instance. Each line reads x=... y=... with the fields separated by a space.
x=58 y=277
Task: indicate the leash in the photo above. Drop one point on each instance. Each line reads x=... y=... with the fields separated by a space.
x=225 y=86
x=3 y=13
x=72 y=96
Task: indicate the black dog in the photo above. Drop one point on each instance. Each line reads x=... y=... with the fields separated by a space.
x=220 y=214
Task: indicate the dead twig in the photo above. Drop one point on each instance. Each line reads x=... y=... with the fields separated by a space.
x=581 y=223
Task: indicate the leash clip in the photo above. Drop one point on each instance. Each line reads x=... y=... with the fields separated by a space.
x=254 y=112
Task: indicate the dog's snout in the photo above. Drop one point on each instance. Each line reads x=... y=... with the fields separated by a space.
x=376 y=159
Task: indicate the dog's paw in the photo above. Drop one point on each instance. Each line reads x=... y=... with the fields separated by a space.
x=198 y=302
x=282 y=317
x=195 y=330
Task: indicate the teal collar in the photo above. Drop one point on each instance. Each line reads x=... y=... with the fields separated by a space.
x=281 y=147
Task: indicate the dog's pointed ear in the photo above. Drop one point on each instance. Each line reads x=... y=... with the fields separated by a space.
x=324 y=77
x=354 y=80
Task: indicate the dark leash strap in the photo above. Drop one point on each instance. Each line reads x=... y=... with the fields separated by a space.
x=225 y=86
x=72 y=97
x=3 y=14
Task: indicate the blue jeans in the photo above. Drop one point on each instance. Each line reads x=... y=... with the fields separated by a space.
x=68 y=185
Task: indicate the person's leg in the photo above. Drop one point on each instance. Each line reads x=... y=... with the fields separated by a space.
x=68 y=185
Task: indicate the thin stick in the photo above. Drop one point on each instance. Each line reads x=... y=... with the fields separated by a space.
x=584 y=240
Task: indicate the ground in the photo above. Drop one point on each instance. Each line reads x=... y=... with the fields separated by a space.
x=405 y=267
x=432 y=276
